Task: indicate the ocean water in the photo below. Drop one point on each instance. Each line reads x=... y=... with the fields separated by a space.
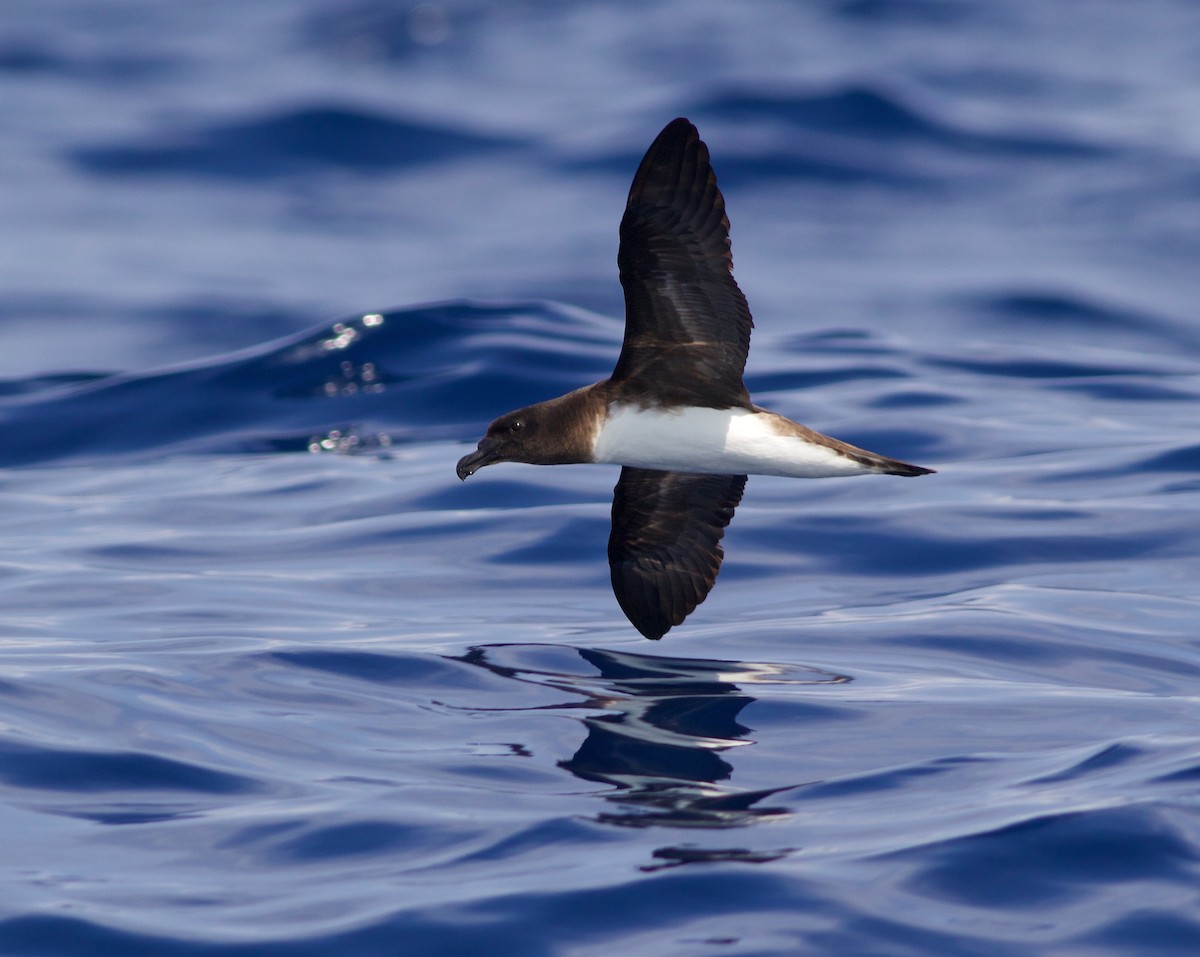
x=274 y=682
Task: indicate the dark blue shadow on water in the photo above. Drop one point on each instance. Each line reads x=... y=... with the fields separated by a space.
x=879 y=115
x=39 y=768
x=1055 y=858
x=289 y=142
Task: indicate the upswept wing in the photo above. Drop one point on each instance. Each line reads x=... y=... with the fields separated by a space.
x=687 y=324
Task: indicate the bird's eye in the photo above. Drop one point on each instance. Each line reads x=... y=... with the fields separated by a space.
x=516 y=426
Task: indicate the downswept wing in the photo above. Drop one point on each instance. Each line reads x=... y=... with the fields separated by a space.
x=664 y=551
x=687 y=324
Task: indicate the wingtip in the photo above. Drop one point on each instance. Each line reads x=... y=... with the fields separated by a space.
x=672 y=141
x=646 y=615
x=680 y=123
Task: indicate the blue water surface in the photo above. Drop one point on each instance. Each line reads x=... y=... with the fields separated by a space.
x=273 y=682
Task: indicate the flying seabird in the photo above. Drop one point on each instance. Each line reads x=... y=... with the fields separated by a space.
x=674 y=414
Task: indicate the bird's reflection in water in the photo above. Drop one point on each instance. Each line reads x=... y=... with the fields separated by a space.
x=665 y=725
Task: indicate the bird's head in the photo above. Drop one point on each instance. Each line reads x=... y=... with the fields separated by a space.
x=549 y=433
x=508 y=439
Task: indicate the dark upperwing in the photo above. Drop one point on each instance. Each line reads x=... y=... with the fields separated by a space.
x=687 y=324
x=664 y=551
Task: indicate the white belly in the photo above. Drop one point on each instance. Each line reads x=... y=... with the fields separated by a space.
x=720 y=441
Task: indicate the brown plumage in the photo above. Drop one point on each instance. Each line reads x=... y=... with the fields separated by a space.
x=687 y=333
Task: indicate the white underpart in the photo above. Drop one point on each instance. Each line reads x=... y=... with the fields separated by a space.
x=718 y=441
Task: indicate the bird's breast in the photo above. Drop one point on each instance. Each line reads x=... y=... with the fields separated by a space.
x=715 y=441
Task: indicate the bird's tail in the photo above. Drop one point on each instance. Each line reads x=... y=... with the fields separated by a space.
x=886 y=466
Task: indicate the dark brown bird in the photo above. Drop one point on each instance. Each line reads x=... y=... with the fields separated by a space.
x=675 y=413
